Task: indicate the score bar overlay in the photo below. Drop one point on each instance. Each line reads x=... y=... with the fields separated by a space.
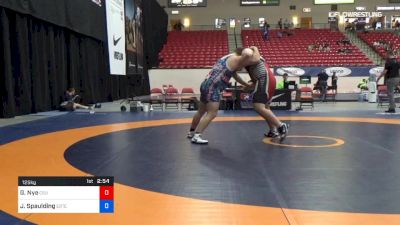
x=65 y=194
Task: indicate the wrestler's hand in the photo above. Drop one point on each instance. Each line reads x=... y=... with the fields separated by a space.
x=249 y=87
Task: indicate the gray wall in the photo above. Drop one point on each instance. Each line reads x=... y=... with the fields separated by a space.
x=232 y=8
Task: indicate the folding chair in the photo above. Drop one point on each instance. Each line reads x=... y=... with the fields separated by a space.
x=156 y=98
x=172 y=98
x=188 y=99
x=306 y=97
x=382 y=95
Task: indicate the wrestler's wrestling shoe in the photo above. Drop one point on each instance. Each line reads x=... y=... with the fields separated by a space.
x=197 y=139
x=283 y=130
x=272 y=134
x=190 y=134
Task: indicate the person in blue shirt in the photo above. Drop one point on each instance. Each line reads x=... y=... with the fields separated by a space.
x=266 y=31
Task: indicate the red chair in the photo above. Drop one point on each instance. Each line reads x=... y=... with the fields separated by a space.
x=382 y=95
x=187 y=91
x=156 y=98
x=172 y=97
x=187 y=98
x=171 y=90
x=156 y=91
x=331 y=93
x=306 y=97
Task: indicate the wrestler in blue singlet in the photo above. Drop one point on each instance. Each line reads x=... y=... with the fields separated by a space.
x=216 y=81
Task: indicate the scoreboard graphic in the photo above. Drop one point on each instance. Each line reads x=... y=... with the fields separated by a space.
x=65 y=195
x=259 y=2
x=186 y=3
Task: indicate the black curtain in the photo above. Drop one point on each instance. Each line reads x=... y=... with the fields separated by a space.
x=155 y=31
x=155 y=23
x=39 y=61
x=82 y=16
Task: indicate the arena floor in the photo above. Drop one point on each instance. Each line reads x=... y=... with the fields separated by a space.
x=340 y=165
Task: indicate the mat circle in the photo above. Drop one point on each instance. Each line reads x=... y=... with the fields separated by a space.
x=336 y=142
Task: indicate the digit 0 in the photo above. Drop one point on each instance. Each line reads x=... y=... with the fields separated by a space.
x=105 y=192
x=106 y=205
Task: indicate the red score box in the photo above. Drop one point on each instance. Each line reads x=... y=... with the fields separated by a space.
x=106 y=193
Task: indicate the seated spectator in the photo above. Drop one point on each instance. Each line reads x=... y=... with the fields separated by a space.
x=344 y=51
x=389 y=47
x=311 y=47
x=376 y=44
x=178 y=26
x=363 y=85
x=287 y=33
x=286 y=24
x=324 y=47
x=396 y=52
x=344 y=41
x=70 y=99
x=320 y=47
x=383 y=44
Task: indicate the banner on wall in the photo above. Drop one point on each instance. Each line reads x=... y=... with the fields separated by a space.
x=281 y=100
x=115 y=11
x=358 y=71
x=134 y=36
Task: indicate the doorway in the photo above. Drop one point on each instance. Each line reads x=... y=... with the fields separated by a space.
x=306 y=22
